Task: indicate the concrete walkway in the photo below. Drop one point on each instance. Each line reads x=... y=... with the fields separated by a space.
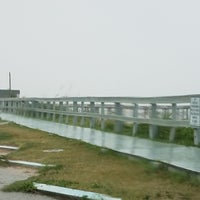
x=9 y=175
x=172 y=154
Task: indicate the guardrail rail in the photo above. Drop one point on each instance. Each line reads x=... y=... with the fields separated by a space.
x=171 y=111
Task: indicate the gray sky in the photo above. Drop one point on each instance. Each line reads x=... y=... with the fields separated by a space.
x=100 y=47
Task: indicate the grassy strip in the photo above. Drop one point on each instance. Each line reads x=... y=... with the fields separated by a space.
x=86 y=167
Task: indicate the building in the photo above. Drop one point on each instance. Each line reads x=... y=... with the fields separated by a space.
x=9 y=93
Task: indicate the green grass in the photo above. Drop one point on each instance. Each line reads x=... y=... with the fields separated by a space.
x=20 y=186
x=5 y=136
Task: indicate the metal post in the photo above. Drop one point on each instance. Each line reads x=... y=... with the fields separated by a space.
x=75 y=110
x=172 y=133
x=102 y=116
x=67 y=109
x=118 y=111
x=47 y=111
x=92 y=110
x=82 y=110
x=54 y=112
x=135 y=115
x=197 y=136
x=60 y=109
x=153 y=129
x=42 y=110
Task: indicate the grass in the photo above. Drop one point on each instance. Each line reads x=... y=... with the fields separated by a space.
x=86 y=167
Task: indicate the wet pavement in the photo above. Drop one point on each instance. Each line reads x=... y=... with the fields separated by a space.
x=172 y=154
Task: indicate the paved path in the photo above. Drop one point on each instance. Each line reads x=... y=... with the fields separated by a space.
x=11 y=174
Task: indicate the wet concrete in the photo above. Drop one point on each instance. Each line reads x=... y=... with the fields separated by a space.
x=173 y=154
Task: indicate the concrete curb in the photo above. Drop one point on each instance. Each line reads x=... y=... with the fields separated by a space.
x=32 y=164
x=72 y=192
x=8 y=147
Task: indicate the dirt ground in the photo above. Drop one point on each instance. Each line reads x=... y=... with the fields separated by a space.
x=9 y=175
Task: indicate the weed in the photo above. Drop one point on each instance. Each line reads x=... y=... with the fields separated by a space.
x=84 y=198
x=20 y=186
x=109 y=125
x=184 y=136
x=146 y=197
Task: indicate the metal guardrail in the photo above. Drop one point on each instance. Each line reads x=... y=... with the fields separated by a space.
x=171 y=111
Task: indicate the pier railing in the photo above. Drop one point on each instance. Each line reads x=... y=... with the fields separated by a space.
x=171 y=111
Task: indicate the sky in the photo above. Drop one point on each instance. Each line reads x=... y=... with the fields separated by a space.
x=62 y=48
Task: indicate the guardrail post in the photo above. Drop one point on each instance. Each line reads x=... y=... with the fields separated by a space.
x=67 y=109
x=25 y=107
x=47 y=111
x=172 y=133
x=42 y=110
x=54 y=112
x=102 y=116
x=118 y=111
x=13 y=106
x=153 y=129
x=37 y=105
x=9 y=106
x=135 y=115
x=92 y=110
x=82 y=110
x=60 y=109
x=197 y=136
x=32 y=108
x=1 y=105
x=19 y=108
x=75 y=110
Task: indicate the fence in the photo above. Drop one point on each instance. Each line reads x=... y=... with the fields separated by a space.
x=172 y=111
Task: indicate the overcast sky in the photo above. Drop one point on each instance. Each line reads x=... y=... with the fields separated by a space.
x=100 y=47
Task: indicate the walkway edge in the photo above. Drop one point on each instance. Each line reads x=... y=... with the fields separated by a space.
x=8 y=147
x=72 y=192
x=32 y=164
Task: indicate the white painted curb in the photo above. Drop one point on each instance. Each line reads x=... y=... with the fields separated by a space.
x=33 y=164
x=8 y=147
x=72 y=192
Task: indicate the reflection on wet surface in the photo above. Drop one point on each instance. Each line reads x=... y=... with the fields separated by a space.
x=177 y=155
